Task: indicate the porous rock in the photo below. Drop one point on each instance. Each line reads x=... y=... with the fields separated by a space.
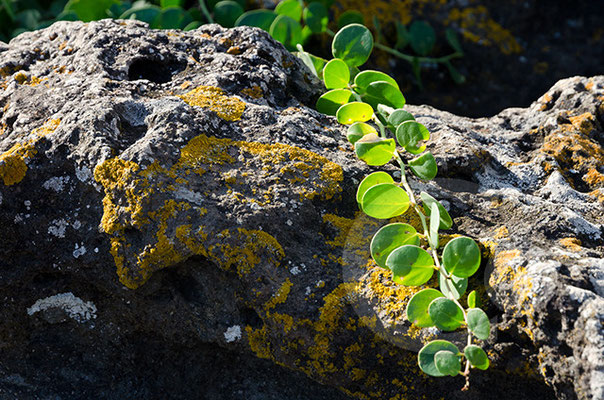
x=179 y=188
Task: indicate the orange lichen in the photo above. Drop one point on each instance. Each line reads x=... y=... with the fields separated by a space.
x=501 y=233
x=571 y=243
x=227 y=108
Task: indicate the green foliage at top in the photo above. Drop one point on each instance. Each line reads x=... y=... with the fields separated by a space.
x=381 y=131
x=291 y=22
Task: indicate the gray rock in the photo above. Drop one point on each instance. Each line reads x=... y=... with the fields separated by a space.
x=191 y=167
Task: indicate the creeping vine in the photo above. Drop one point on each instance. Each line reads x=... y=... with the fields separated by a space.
x=380 y=130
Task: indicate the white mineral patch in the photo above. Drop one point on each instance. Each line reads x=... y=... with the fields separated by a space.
x=56 y=183
x=75 y=307
x=232 y=334
x=295 y=271
x=57 y=228
x=188 y=195
x=80 y=250
x=0 y=198
x=580 y=225
x=76 y=224
x=83 y=174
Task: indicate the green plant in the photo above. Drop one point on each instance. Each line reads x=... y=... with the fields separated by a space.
x=380 y=130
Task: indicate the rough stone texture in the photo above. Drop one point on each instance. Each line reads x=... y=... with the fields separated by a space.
x=191 y=168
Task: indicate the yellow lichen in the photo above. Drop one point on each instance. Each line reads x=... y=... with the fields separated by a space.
x=501 y=233
x=227 y=108
x=13 y=162
x=254 y=92
x=571 y=243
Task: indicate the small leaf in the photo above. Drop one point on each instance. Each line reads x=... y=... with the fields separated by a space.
x=377 y=28
x=476 y=356
x=402 y=36
x=445 y=219
x=461 y=257
x=472 y=299
x=453 y=288
x=353 y=44
x=385 y=200
x=350 y=17
x=354 y=112
x=226 y=12
x=390 y=237
x=192 y=25
x=399 y=116
x=409 y=134
x=382 y=92
x=417 y=72
x=422 y=36
x=291 y=8
x=453 y=41
x=287 y=31
x=447 y=316
x=417 y=308
x=424 y=166
x=336 y=74
x=478 y=323
x=410 y=265
x=259 y=18
x=365 y=78
x=455 y=75
x=358 y=130
x=426 y=355
x=374 y=150
x=316 y=17
x=372 y=180
x=330 y=102
x=447 y=362
x=434 y=222
x=170 y=3
x=90 y=10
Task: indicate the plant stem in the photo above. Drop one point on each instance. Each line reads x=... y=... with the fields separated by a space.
x=206 y=13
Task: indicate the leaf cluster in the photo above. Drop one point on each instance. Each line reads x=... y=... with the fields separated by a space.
x=381 y=131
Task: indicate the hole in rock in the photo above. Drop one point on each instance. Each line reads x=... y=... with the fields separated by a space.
x=250 y=317
x=154 y=70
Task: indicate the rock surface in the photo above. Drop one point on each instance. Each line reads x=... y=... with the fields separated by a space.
x=171 y=208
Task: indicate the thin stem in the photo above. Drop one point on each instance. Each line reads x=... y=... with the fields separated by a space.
x=206 y=13
x=380 y=125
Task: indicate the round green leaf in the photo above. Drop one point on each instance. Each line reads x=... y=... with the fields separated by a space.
x=350 y=17
x=316 y=17
x=374 y=150
x=452 y=288
x=330 y=102
x=192 y=25
x=399 y=116
x=372 y=180
x=389 y=238
x=409 y=134
x=365 y=78
x=90 y=10
x=385 y=200
x=447 y=316
x=417 y=308
x=354 y=112
x=259 y=18
x=382 y=92
x=447 y=362
x=478 y=323
x=353 y=44
x=226 y=12
x=461 y=257
x=425 y=357
x=422 y=36
x=336 y=74
x=145 y=13
x=476 y=356
x=445 y=219
x=410 y=265
x=472 y=299
x=424 y=167
x=358 y=130
x=287 y=31
x=291 y=8
x=171 y=18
